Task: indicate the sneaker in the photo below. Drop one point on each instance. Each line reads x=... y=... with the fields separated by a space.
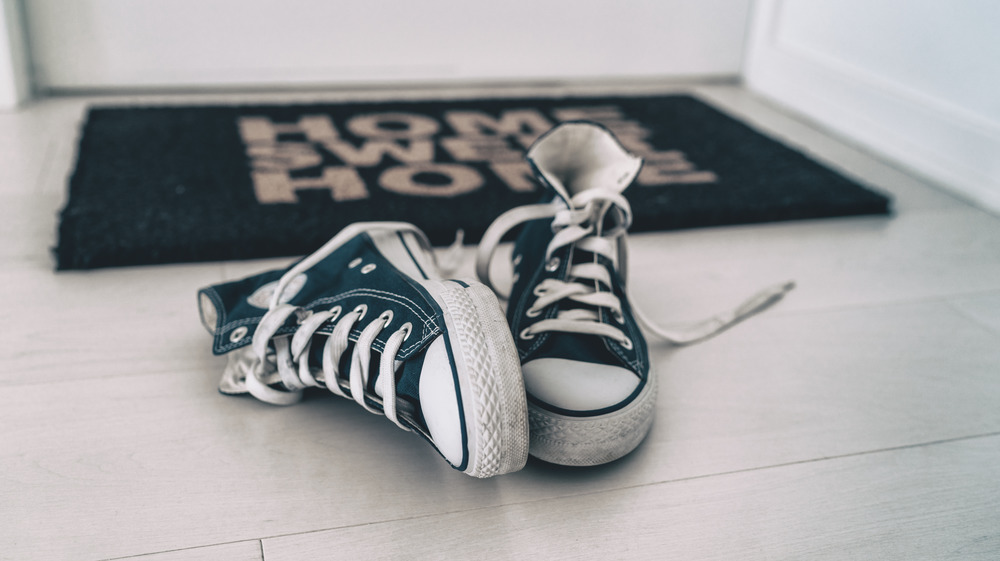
x=368 y=318
x=590 y=388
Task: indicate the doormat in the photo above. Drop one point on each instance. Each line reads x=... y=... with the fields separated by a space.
x=184 y=184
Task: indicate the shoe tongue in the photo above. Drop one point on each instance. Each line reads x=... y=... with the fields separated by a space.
x=578 y=156
x=408 y=384
x=584 y=348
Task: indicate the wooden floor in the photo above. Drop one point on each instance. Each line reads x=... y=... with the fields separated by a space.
x=858 y=419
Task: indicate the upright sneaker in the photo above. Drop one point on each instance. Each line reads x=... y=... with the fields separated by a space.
x=590 y=388
x=368 y=318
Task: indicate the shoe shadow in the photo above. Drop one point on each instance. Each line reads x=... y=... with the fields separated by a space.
x=616 y=469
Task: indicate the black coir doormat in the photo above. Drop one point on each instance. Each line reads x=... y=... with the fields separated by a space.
x=180 y=184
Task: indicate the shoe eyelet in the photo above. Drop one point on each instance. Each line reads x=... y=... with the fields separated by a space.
x=354 y=263
x=539 y=290
x=516 y=261
x=626 y=343
x=406 y=328
x=532 y=313
x=526 y=335
x=367 y=268
x=386 y=317
x=618 y=316
x=238 y=334
x=552 y=265
x=336 y=310
x=515 y=278
x=362 y=309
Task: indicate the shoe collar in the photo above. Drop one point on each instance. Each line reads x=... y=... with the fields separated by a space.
x=580 y=156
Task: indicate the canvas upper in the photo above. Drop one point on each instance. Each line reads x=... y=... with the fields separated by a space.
x=383 y=281
x=584 y=359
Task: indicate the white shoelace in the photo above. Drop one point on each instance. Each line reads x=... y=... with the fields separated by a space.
x=582 y=225
x=292 y=351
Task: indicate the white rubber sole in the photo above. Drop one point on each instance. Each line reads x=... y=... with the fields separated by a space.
x=489 y=376
x=590 y=441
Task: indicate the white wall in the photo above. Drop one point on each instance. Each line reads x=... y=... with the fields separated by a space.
x=102 y=44
x=14 y=86
x=915 y=80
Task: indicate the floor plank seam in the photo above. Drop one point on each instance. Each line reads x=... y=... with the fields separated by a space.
x=815 y=460
x=866 y=306
x=992 y=329
x=178 y=370
x=192 y=548
x=644 y=485
x=45 y=174
x=778 y=466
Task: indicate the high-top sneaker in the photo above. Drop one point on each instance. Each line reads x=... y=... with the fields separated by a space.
x=590 y=388
x=368 y=318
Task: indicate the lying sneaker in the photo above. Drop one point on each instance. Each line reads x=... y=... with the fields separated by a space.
x=368 y=318
x=591 y=393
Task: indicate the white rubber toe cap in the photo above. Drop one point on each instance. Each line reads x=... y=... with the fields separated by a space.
x=578 y=386
x=439 y=402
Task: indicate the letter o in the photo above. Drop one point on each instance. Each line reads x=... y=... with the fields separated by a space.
x=401 y=179
x=373 y=125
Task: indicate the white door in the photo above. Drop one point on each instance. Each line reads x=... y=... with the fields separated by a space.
x=916 y=81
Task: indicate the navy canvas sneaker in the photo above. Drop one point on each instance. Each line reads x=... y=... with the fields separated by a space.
x=590 y=388
x=368 y=318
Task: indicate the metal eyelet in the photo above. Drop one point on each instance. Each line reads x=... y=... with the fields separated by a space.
x=336 y=310
x=386 y=317
x=532 y=313
x=626 y=344
x=367 y=268
x=238 y=334
x=516 y=261
x=354 y=263
x=618 y=316
x=552 y=265
x=362 y=309
x=406 y=328
x=525 y=335
x=539 y=290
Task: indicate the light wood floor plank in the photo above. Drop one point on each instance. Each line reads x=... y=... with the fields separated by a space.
x=685 y=276
x=676 y=278
x=240 y=551
x=823 y=383
x=110 y=322
x=936 y=502
x=25 y=147
x=150 y=457
x=983 y=308
x=28 y=231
